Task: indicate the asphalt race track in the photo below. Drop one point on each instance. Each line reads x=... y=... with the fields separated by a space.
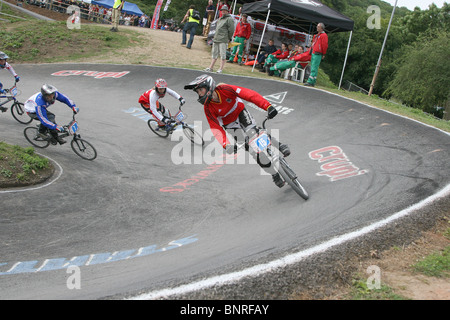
x=146 y=215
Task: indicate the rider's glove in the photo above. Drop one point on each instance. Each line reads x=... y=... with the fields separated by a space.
x=182 y=101
x=75 y=109
x=17 y=78
x=60 y=129
x=271 y=112
x=231 y=148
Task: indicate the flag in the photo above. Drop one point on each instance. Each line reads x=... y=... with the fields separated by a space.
x=167 y=5
x=155 y=18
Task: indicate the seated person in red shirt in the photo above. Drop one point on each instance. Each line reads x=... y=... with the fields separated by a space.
x=299 y=56
x=273 y=58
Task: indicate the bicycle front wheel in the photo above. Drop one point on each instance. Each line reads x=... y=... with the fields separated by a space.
x=32 y=136
x=193 y=135
x=154 y=126
x=291 y=178
x=83 y=149
x=18 y=112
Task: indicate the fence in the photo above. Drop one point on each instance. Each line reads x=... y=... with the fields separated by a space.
x=349 y=86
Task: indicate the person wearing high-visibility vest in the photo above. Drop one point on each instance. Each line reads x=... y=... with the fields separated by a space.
x=117 y=7
x=190 y=26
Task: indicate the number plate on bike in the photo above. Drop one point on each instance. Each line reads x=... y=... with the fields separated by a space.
x=13 y=91
x=73 y=127
x=260 y=142
x=179 y=116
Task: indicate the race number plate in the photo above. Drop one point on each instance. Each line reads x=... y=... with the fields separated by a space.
x=179 y=116
x=73 y=127
x=13 y=91
x=260 y=142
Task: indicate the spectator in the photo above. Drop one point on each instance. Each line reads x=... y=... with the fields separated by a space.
x=262 y=56
x=241 y=34
x=319 y=46
x=223 y=35
x=209 y=15
x=117 y=7
x=273 y=58
x=109 y=15
x=191 y=25
x=297 y=56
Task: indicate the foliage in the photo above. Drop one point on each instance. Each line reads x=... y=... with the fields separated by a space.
x=19 y=37
x=410 y=31
x=423 y=76
x=435 y=265
x=360 y=291
x=19 y=162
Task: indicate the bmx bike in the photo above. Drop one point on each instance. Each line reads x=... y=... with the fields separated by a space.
x=81 y=147
x=261 y=142
x=17 y=108
x=176 y=121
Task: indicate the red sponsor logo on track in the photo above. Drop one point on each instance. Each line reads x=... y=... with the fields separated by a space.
x=94 y=74
x=187 y=183
x=335 y=164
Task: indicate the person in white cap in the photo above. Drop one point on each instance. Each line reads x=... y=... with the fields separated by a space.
x=223 y=35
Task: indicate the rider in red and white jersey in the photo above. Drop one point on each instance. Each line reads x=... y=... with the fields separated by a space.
x=150 y=101
x=224 y=109
x=5 y=65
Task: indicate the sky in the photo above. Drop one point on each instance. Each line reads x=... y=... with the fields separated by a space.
x=422 y=4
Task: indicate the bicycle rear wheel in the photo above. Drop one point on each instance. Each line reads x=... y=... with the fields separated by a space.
x=32 y=136
x=193 y=135
x=291 y=178
x=83 y=148
x=154 y=126
x=18 y=112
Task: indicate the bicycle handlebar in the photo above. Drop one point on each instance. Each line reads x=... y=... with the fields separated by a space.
x=264 y=122
x=7 y=90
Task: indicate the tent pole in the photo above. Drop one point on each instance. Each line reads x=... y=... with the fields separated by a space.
x=262 y=37
x=381 y=53
x=345 y=60
x=234 y=5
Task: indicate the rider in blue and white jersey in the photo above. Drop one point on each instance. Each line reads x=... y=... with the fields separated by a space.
x=37 y=108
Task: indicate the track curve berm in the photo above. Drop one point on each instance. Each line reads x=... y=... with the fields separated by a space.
x=150 y=217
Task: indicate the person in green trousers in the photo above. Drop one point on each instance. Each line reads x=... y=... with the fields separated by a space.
x=241 y=34
x=319 y=48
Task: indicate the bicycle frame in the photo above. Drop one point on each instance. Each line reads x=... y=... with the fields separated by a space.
x=262 y=143
x=80 y=146
x=12 y=94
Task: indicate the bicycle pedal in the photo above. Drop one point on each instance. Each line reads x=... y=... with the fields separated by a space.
x=3 y=109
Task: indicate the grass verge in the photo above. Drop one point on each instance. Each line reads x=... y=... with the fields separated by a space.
x=21 y=166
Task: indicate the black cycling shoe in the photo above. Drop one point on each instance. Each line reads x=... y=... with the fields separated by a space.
x=61 y=140
x=284 y=149
x=278 y=180
x=3 y=109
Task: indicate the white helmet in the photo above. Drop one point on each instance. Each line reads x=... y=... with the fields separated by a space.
x=3 y=56
x=49 y=93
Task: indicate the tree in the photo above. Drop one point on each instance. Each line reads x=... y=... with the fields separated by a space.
x=422 y=79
